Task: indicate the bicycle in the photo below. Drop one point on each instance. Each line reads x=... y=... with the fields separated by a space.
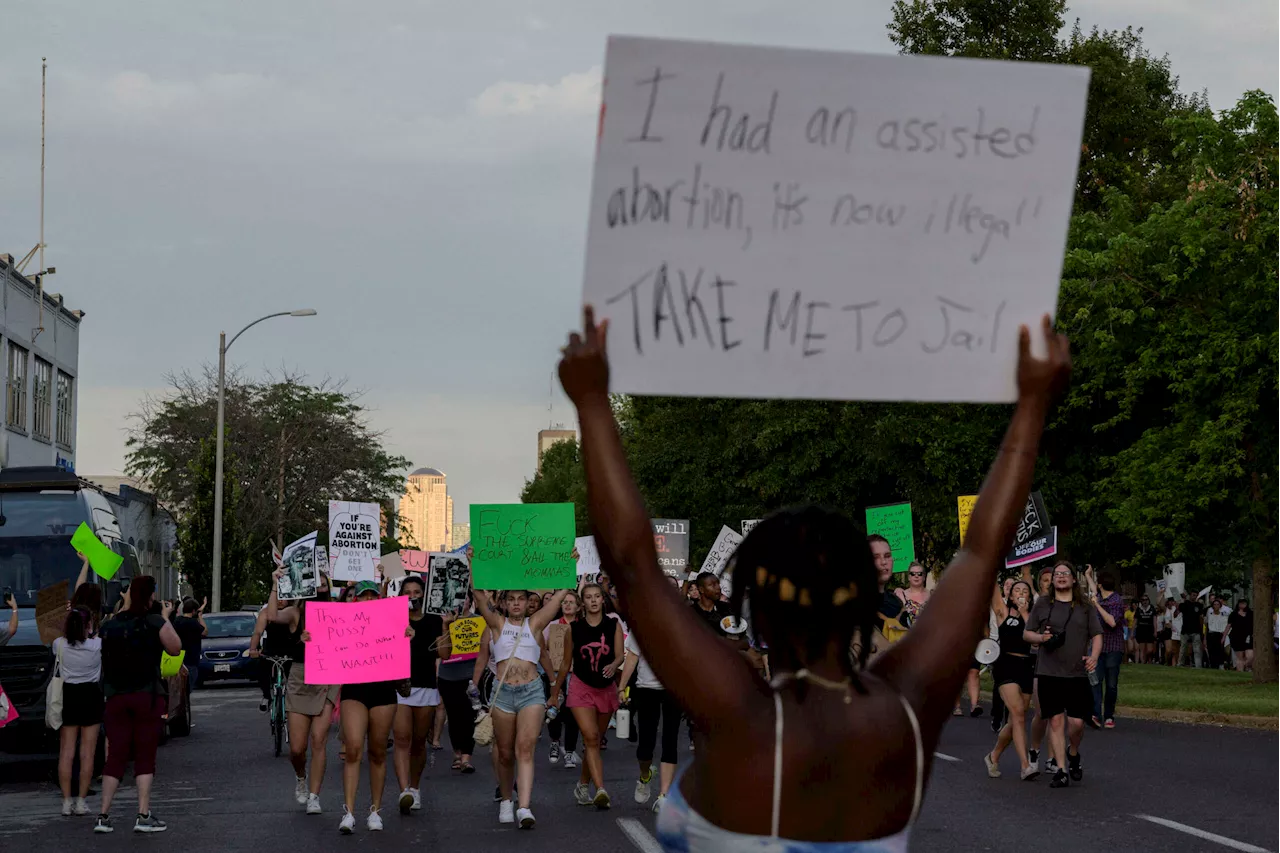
x=279 y=722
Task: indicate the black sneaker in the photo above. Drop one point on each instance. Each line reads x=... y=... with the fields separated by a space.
x=1033 y=757
x=149 y=823
x=103 y=824
x=497 y=794
x=1059 y=780
x=1077 y=772
x=975 y=711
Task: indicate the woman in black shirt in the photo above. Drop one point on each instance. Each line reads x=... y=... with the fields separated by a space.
x=1014 y=673
x=1240 y=633
x=416 y=702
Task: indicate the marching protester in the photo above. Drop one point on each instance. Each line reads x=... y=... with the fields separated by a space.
x=135 y=697
x=830 y=751
x=454 y=682
x=1144 y=622
x=416 y=702
x=652 y=705
x=1215 y=626
x=367 y=713
x=518 y=703
x=79 y=659
x=1239 y=634
x=1070 y=636
x=915 y=595
x=1171 y=631
x=1014 y=674
x=310 y=707
x=594 y=650
x=563 y=729
x=1110 y=608
x=1192 y=611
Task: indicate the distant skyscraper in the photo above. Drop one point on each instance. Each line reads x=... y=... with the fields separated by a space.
x=426 y=511
x=461 y=533
x=548 y=437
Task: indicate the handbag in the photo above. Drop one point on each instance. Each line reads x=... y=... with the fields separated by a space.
x=53 y=694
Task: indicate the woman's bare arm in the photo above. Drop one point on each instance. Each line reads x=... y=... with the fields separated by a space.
x=929 y=665
x=709 y=678
x=998 y=605
x=492 y=618
x=550 y=607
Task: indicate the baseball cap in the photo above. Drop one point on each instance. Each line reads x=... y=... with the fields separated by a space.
x=368 y=586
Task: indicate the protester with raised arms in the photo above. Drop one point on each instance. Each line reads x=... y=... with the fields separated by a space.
x=518 y=703
x=310 y=707
x=1014 y=673
x=828 y=752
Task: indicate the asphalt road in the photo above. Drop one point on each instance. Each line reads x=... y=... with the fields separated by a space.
x=221 y=790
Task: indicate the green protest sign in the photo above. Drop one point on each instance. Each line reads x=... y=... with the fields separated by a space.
x=102 y=559
x=523 y=546
x=893 y=522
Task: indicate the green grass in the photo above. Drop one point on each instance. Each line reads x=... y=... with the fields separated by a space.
x=1195 y=690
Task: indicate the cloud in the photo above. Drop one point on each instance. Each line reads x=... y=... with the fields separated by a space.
x=575 y=94
x=137 y=95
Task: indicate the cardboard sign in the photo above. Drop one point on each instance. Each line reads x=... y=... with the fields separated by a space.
x=448 y=583
x=104 y=562
x=557 y=636
x=392 y=568
x=1035 y=548
x=588 y=556
x=523 y=546
x=464 y=637
x=358 y=642
x=727 y=541
x=964 y=509
x=8 y=713
x=893 y=522
x=354 y=540
x=671 y=538
x=51 y=611
x=299 y=562
x=777 y=223
x=748 y=525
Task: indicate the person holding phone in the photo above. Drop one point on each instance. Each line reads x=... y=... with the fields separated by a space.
x=12 y=604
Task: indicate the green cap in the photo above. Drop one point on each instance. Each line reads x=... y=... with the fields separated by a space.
x=368 y=586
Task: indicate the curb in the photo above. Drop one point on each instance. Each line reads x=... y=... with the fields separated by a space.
x=1192 y=718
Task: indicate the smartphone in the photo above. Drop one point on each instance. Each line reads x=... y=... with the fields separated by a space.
x=8 y=596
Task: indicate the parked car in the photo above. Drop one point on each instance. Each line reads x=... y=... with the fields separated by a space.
x=224 y=652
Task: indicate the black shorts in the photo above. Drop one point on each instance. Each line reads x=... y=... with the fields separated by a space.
x=1059 y=695
x=1146 y=634
x=1009 y=669
x=375 y=694
x=82 y=704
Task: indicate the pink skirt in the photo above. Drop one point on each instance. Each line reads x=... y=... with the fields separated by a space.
x=603 y=699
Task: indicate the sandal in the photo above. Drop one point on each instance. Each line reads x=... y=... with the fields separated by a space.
x=468 y=768
x=957 y=712
x=457 y=764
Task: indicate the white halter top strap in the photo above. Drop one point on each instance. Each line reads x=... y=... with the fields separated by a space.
x=777 y=762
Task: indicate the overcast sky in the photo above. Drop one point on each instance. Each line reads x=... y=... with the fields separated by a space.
x=417 y=172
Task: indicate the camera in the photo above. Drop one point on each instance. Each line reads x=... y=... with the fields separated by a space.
x=1054 y=642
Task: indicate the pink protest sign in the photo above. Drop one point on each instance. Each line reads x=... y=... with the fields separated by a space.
x=8 y=713
x=358 y=642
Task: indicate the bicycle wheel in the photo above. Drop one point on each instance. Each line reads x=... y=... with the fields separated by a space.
x=277 y=720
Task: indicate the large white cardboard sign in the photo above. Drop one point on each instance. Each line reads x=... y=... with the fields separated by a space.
x=355 y=540
x=726 y=543
x=801 y=224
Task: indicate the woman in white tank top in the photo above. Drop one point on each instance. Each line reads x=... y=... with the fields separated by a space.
x=832 y=755
x=518 y=702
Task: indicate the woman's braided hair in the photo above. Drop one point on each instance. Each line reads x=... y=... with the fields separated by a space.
x=807 y=571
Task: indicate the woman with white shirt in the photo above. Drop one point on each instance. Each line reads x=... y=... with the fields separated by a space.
x=79 y=656
x=1171 y=631
x=652 y=704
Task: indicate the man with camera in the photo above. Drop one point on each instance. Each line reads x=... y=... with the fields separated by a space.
x=1069 y=633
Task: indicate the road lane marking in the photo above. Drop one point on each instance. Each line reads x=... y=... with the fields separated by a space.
x=945 y=757
x=1200 y=833
x=638 y=835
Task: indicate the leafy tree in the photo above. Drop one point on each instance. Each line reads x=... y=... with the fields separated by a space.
x=296 y=446
x=561 y=479
x=195 y=536
x=1176 y=314
x=987 y=29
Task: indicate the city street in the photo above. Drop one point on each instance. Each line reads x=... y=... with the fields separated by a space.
x=221 y=790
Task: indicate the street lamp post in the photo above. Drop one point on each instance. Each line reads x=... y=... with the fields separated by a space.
x=223 y=346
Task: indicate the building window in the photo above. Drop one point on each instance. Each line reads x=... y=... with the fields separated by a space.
x=42 y=399
x=16 y=410
x=66 y=425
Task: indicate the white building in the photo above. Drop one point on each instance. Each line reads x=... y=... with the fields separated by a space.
x=40 y=352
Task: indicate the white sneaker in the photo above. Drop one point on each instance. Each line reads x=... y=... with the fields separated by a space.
x=348 y=824
x=66 y=807
x=657 y=804
x=81 y=808
x=300 y=790
x=373 y=823
x=406 y=800
x=525 y=816
x=642 y=789
x=601 y=799
x=313 y=804
x=506 y=812
x=570 y=761
x=417 y=800
x=992 y=770
x=582 y=794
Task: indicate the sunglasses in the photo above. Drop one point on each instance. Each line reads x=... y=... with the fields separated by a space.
x=915 y=574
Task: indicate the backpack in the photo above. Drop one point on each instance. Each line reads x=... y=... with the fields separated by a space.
x=130 y=654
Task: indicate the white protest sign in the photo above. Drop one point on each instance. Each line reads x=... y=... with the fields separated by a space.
x=718 y=557
x=588 y=555
x=299 y=562
x=802 y=224
x=354 y=540
x=748 y=525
